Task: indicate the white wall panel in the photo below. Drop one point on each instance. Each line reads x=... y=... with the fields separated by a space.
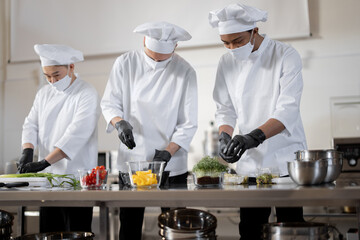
x=330 y=57
x=105 y=27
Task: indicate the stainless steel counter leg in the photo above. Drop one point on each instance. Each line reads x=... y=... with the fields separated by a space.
x=20 y=222
x=104 y=222
x=358 y=218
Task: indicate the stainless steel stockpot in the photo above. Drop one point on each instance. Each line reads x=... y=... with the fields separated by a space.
x=187 y=224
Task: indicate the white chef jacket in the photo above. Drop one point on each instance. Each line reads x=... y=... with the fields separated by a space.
x=267 y=85
x=160 y=104
x=66 y=120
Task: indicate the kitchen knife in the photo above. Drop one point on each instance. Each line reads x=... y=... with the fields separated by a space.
x=14 y=184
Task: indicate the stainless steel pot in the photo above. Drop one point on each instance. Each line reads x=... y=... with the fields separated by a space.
x=187 y=219
x=6 y=222
x=296 y=231
x=170 y=234
x=187 y=224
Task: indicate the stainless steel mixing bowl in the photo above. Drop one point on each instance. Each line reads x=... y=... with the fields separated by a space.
x=333 y=157
x=308 y=172
x=334 y=169
x=310 y=155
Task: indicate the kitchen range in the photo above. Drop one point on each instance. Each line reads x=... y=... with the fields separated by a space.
x=351 y=156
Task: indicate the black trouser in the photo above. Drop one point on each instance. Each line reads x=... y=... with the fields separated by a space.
x=131 y=219
x=252 y=219
x=65 y=219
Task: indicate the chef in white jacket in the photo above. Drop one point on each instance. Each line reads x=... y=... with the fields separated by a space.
x=259 y=85
x=62 y=125
x=151 y=99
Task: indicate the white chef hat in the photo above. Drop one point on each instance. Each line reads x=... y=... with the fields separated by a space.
x=54 y=54
x=236 y=18
x=162 y=37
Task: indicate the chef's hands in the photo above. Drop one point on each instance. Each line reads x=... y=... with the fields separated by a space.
x=125 y=133
x=162 y=156
x=35 y=167
x=240 y=143
x=26 y=157
x=224 y=139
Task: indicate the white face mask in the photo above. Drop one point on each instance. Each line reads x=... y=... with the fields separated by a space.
x=243 y=52
x=63 y=83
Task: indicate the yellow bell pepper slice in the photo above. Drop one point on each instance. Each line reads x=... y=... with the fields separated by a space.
x=144 y=178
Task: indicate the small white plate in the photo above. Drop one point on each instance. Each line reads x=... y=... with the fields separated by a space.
x=282 y=180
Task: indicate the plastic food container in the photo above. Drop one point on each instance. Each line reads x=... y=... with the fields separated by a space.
x=145 y=174
x=95 y=178
x=232 y=179
x=210 y=179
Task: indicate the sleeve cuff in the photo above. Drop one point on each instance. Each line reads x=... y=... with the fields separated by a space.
x=68 y=153
x=288 y=127
x=182 y=144
x=109 y=116
x=225 y=121
x=29 y=140
x=109 y=127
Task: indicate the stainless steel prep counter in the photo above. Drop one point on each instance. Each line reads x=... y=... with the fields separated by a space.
x=341 y=193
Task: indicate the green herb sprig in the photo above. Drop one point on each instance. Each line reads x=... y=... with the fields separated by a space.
x=55 y=180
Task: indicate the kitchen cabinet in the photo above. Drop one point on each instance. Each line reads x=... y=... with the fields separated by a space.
x=341 y=193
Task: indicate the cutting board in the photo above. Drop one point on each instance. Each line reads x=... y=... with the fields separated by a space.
x=33 y=181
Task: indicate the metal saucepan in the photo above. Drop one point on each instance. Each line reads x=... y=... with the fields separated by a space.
x=187 y=219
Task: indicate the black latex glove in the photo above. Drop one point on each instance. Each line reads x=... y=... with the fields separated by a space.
x=164 y=156
x=240 y=143
x=125 y=133
x=224 y=139
x=26 y=157
x=35 y=167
